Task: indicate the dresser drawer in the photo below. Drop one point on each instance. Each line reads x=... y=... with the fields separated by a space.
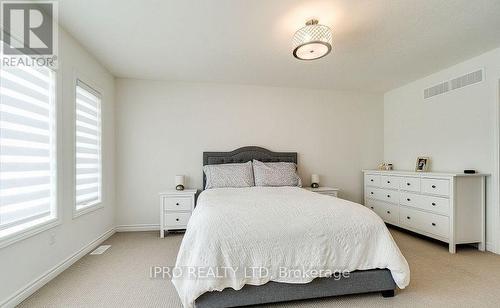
x=178 y=203
x=386 y=195
x=173 y=220
x=431 y=223
x=373 y=193
x=410 y=184
x=372 y=180
x=409 y=199
x=388 y=212
x=391 y=182
x=434 y=204
x=436 y=186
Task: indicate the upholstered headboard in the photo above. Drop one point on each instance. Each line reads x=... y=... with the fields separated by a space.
x=245 y=154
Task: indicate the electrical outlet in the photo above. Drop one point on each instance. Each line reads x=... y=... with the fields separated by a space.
x=52 y=239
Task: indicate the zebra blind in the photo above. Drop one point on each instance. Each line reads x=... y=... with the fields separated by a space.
x=28 y=173
x=88 y=146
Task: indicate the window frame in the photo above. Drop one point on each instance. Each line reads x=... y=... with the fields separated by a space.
x=54 y=220
x=78 y=80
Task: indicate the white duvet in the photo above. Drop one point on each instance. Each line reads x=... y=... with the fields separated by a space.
x=275 y=228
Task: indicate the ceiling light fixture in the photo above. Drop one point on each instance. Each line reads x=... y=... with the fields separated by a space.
x=312 y=42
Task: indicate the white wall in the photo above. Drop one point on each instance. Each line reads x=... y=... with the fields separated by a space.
x=23 y=262
x=163 y=128
x=458 y=130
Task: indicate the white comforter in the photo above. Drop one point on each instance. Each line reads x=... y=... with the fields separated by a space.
x=276 y=227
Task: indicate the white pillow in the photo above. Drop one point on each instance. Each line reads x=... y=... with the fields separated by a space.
x=229 y=175
x=276 y=174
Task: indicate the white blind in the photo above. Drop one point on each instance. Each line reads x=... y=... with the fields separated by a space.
x=88 y=146
x=27 y=148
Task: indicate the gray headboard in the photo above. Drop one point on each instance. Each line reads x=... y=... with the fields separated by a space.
x=245 y=154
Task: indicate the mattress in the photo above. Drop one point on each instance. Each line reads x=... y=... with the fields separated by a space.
x=254 y=235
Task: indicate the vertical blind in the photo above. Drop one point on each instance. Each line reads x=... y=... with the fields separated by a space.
x=27 y=148
x=88 y=146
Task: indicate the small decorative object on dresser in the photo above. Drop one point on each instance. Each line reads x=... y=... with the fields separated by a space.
x=175 y=209
x=329 y=191
x=314 y=180
x=449 y=207
x=422 y=164
x=179 y=182
x=385 y=166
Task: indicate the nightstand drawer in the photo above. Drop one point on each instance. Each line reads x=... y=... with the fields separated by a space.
x=173 y=220
x=178 y=203
x=330 y=193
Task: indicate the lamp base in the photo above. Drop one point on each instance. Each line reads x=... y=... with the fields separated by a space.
x=314 y=185
x=179 y=187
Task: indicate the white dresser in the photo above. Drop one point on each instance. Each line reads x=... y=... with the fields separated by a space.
x=446 y=206
x=176 y=207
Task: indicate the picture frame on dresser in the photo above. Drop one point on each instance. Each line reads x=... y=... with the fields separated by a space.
x=422 y=164
x=449 y=207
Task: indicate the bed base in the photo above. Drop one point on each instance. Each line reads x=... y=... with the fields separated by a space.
x=377 y=280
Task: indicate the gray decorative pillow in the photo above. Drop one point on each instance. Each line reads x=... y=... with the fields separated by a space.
x=229 y=175
x=276 y=174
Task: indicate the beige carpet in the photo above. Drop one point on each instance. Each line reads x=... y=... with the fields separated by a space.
x=120 y=277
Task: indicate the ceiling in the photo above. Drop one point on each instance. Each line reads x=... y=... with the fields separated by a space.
x=378 y=44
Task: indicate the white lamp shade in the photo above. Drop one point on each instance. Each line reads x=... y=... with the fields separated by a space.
x=179 y=180
x=315 y=178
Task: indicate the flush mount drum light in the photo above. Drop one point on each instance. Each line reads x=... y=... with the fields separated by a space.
x=312 y=42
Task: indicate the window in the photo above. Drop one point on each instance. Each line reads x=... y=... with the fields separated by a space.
x=88 y=147
x=28 y=172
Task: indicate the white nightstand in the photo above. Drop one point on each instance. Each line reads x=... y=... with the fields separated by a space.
x=176 y=207
x=329 y=191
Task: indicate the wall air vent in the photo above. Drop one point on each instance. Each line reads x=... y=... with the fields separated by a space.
x=436 y=90
x=467 y=79
x=454 y=84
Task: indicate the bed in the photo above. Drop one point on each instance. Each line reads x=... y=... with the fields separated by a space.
x=283 y=232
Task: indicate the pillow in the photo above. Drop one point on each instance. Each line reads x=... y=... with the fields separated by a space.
x=229 y=175
x=276 y=174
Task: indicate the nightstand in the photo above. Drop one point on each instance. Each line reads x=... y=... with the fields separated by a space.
x=176 y=207
x=329 y=191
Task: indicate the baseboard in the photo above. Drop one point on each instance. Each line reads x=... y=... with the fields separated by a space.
x=137 y=227
x=36 y=284
x=491 y=248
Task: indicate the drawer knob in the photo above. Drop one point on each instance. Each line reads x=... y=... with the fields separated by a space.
x=388 y=212
x=433 y=204
x=371 y=193
x=371 y=180
x=408 y=217
x=388 y=196
x=371 y=207
x=177 y=219
x=408 y=184
x=433 y=186
x=388 y=182
x=434 y=224
x=408 y=199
